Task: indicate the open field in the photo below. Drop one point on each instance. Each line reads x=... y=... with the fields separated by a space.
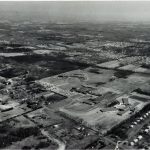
x=93 y=117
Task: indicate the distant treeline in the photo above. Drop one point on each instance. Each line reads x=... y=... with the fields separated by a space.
x=12 y=47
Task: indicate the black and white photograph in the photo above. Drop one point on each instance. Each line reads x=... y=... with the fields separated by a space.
x=75 y=75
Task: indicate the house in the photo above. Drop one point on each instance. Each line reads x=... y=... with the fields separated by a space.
x=138 y=120
x=146 y=130
x=131 y=126
x=135 y=123
x=140 y=137
x=132 y=143
x=135 y=140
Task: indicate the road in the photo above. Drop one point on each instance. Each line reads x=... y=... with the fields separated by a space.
x=60 y=144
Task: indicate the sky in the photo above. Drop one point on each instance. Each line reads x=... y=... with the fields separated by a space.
x=76 y=11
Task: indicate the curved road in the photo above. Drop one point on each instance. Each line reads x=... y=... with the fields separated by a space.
x=60 y=144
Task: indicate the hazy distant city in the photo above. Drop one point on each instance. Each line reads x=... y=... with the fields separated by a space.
x=75 y=75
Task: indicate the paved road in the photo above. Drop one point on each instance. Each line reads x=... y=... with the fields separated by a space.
x=136 y=130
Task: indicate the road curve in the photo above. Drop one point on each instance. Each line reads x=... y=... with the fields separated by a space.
x=60 y=144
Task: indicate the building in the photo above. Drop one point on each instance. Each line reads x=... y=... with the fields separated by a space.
x=125 y=101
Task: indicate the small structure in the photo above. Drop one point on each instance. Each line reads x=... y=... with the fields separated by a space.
x=79 y=128
x=131 y=126
x=148 y=127
x=120 y=113
x=120 y=107
x=146 y=130
x=132 y=108
x=9 y=81
x=56 y=126
x=135 y=140
x=141 y=118
x=147 y=114
x=112 y=78
x=108 y=109
x=140 y=137
x=125 y=101
x=4 y=108
x=132 y=143
x=135 y=123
